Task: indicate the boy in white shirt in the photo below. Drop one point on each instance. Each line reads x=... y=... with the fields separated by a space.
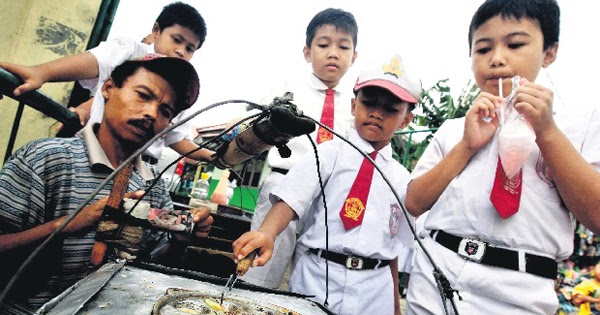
x=366 y=235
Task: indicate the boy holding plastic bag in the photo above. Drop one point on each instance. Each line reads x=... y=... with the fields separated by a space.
x=504 y=183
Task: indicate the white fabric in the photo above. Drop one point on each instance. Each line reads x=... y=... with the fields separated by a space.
x=339 y=165
x=309 y=96
x=271 y=274
x=109 y=55
x=484 y=289
x=542 y=226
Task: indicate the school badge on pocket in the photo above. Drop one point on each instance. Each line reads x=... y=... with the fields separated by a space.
x=394 y=219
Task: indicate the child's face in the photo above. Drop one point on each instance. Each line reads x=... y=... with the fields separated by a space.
x=503 y=48
x=378 y=115
x=175 y=41
x=331 y=54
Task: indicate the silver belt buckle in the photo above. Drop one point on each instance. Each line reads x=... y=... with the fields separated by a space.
x=354 y=263
x=472 y=249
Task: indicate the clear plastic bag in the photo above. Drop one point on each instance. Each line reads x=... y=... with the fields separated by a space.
x=516 y=139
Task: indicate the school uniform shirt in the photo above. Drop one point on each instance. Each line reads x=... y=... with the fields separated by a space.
x=382 y=234
x=543 y=225
x=309 y=96
x=50 y=178
x=109 y=55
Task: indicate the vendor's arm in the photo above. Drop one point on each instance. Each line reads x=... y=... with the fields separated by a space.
x=424 y=190
x=577 y=182
x=87 y=219
x=274 y=223
x=70 y=68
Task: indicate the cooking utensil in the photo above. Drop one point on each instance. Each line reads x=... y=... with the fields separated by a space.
x=242 y=267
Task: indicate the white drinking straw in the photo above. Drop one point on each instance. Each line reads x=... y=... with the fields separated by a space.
x=501 y=110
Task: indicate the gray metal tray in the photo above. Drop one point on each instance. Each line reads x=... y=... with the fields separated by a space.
x=119 y=288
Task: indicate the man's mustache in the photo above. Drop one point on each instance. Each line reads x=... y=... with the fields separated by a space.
x=144 y=124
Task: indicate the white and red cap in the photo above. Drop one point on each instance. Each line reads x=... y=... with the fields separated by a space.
x=392 y=76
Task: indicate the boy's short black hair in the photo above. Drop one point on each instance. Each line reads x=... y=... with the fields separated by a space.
x=337 y=17
x=546 y=12
x=184 y=15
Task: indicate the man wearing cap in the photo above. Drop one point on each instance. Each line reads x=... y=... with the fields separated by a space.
x=47 y=179
x=365 y=225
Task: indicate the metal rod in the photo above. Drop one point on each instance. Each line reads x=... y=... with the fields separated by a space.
x=14 y=131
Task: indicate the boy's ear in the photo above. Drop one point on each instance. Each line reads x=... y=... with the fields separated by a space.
x=550 y=55
x=354 y=57
x=353 y=105
x=155 y=29
x=407 y=119
x=306 y=52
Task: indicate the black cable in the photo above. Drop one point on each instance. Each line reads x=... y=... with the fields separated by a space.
x=444 y=287
x=71 y=216
x=312 y=142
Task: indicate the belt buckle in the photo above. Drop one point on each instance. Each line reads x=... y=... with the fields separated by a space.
x=472 y=249
x=354 y=263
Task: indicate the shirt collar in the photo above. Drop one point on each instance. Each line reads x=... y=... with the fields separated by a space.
x=98 y=159
x=363 y=145
x=318 y=85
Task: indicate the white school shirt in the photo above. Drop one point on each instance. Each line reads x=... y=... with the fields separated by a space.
x=109 y=55
x=384 y=229
x=309 y=96
x=382 y=234
x=543 y=225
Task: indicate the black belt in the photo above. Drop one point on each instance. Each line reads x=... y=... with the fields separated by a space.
x=149 y=159
x=351 y=262
x=483 y=252
x=279 y=170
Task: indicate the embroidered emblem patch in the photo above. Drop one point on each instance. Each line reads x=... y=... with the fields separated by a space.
x=353 y=207
x=394 y=219
x=323 y=135
x=393 y=68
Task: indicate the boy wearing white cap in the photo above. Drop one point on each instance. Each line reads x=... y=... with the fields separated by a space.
x=365 y=225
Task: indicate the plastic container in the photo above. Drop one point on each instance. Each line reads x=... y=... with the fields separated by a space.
x=231 y=189
x=201 y=187
x=219 y=195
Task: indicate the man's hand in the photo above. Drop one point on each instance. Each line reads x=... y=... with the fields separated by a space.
x=250 y=241
x=478 y=131
x=89 y=216
x=202 y=223
x=32 y=78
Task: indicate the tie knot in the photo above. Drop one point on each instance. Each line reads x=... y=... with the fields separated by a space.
x=373 y=155
x=329 y=92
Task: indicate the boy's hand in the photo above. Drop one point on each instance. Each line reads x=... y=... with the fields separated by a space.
x=250 y=241
x=535 y=103
x=32 y=78
x=478 y=131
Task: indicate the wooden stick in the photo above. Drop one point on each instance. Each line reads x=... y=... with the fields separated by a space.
x=120 y=184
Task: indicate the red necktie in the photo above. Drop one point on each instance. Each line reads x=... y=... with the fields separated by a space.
x=326 y=118
x=506 y=193
x=353 y=210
